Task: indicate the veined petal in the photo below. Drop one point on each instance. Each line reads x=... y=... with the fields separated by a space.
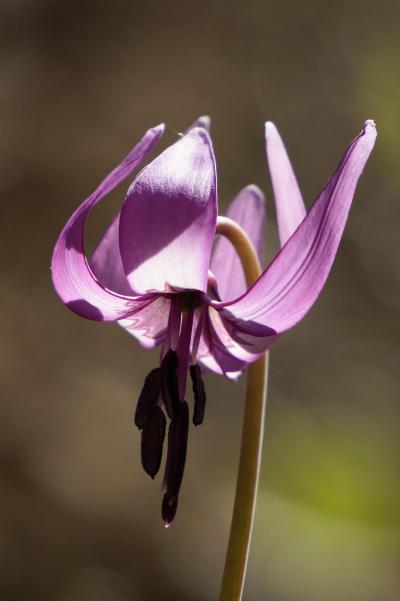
x=244 y=340
x=168 y=220
x=288 y=288
x=213 y=356
x=290 y=210
x=208 y=363
x=149 y=322
x=248 y=210
x=72 y=277
x=228 y=344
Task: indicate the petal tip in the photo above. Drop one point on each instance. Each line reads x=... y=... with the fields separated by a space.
x=256 y=192
x=201 y=136
x=270 y=128
x=370 y=126
x=158 y=130
x=204 y=121
x=369 y=133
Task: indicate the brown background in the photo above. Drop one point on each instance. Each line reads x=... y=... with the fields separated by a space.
x=79 y=520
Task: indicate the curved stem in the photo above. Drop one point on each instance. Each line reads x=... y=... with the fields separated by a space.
x=252 y=437
x=243 y=246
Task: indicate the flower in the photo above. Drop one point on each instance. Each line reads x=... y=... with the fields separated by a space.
x=155 y=274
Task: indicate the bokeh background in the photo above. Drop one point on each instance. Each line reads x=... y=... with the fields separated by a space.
x=79 y=519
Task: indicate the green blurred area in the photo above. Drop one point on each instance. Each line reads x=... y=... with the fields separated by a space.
x=80 y=521
x=344 y=470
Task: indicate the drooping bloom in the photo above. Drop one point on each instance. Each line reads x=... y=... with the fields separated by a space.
x=154 y=272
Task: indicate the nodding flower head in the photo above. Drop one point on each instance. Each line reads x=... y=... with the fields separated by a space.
x=159 y=272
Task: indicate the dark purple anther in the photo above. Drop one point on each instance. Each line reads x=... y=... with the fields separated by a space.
x=199 y=395
x=153 y=434
x=177 y=444
x=168 y=511
x=169 y=383
x=148 y=398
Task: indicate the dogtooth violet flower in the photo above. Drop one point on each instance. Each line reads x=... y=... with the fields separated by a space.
x=156 y=273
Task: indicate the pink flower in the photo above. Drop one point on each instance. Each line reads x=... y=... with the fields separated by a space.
x=154 y=273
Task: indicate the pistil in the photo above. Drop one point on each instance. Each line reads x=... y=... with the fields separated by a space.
x=169 y=383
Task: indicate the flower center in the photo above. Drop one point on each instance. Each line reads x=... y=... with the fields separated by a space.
x=190 y=301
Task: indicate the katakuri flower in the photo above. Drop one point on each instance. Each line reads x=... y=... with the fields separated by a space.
x=154 y=272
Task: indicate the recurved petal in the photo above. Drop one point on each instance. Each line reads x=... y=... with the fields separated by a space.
x=290 y=210
x=243 y=340
x=168 y=220
x=212 y=356
x=148 y=323
x=228 y=344
x=288 y=288
x=106 y=262
x=248 y=210
x=73 y=279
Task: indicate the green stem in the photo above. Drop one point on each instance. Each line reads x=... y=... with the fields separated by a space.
x=252 y=437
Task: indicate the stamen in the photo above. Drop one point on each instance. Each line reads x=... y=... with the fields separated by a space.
x=200 y=317
x=153 y=434
x=169 y=383
x=174 y=323
x=183 y=350
x=168 y=511
x=148 y=398
x=177 y=445
x=199 y=395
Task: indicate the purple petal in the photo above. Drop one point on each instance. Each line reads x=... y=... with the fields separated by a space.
x=286 y=291
x=243 y=340
x=228 y=345
x=168 y=220
x=149 y=322
x=208 y=363
x=248 y=210
x=106 y=262
x=290 y=210
x=72 y=277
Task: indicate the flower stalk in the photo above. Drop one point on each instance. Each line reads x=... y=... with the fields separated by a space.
x=252 y=437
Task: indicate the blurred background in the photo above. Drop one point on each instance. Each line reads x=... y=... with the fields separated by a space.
x=79 y=520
